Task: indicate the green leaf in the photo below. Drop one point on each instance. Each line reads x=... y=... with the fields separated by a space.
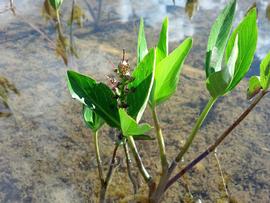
x=97 y=96
x=74 y=95
x=218 y=38
x=265 y=72
x=167 y=73
x=129 y=126
x=142 y=44
x=92 y=120
x=218 y=83
x=254 y=87
x=141 y=87
x=56 y=3
x=239 y=55
x=162 y=47
x=247 y=32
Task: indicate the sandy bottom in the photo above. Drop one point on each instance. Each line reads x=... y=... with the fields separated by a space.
x=47 y=154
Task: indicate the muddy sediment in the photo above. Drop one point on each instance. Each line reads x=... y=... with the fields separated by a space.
x=47 y=153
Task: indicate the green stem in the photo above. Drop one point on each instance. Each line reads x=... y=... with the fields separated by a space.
x=161 y=143
x=130 y=175
x=142 y=169
x=58 y=21
x=157 y=195
x=219 y=140
x=99 y=162
x=193 y=133
x=112 y=166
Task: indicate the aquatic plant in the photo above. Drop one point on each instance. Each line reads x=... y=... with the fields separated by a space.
x=96 y=16
x=64 y=46
x=155 y=79
x=5 y=88
x=191 y=7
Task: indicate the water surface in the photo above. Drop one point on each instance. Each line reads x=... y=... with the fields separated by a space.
x=46 y=153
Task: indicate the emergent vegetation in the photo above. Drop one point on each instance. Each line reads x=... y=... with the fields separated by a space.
x=121 y=105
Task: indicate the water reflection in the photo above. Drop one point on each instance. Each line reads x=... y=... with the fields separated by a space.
x=102 y=13
x=180 y=25
x=95 y=11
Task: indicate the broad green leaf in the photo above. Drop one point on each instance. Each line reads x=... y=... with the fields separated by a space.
x=92 y=120
x=130 y=127
x=97 y=96
x=141 y=87
x=142 y=44
x=254 y=87
x=247 y=32
x=162 y=47
x=265 y=72
x=167 y=73
x=218 y=83
x=74 y=95
x=218 y=38
x=56 y=3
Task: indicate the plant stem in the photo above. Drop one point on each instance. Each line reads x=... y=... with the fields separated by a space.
x=96 y=17
x=91 y=10
x=71 y=25
x=103 y=190
x=157 y=195
x=43 y=35
x=212 y=147
x=161 y=143
x=112 y=165
x=98 y=14
x=221 y=174
x=193 y=133
x=58 y=21
x=12 y=7
x=128 y=162
x=99 y=162
x=102 y=195
x=142 y=169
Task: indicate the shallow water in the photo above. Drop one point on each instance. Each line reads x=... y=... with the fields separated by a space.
x=46 y=153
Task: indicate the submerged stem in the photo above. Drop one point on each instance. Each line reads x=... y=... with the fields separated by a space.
x=58 y=21
x=161 y=143
x=112 y=166
x=157 y=195
x=128 y=162
x=99 y=162
x=138 y=159
x=212 y=147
